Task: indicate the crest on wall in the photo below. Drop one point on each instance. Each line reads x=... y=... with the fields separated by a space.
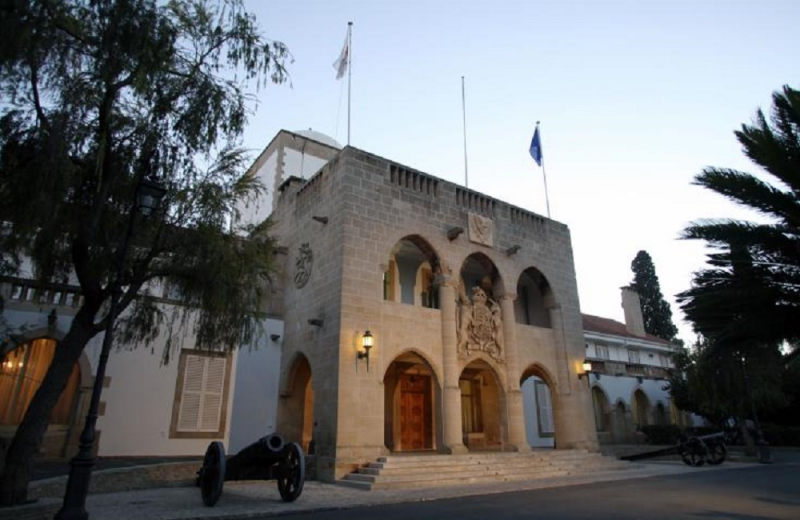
x=479 y=325
x=302 y=265
x=481 y=229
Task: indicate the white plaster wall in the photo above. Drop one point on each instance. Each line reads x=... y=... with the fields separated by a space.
x=619 y=388
x=301 y=164
x=255 y=395
x=258 y=210
x=139 y=403
x=532 y=418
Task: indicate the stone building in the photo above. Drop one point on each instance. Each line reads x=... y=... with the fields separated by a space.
x=630 y=371
x=463 y=296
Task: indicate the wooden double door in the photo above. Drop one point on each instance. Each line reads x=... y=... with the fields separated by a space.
x=416 y=412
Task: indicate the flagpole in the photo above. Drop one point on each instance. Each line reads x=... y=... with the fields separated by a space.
x=349 y=73
x=464 y=115
x=544 y=175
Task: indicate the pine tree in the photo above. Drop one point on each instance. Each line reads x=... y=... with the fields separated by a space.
x=655 y=310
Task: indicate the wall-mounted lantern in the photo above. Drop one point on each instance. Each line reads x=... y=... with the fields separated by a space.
x=366 y=343
x=587 y=369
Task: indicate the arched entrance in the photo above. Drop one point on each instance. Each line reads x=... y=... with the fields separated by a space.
x=483 y=416
x=619 y=424
x=537 y=404
x=661 y=414
x=412 y=397
x=641 y=408
x=296 y=410
x=21 y=375
x=602 y=414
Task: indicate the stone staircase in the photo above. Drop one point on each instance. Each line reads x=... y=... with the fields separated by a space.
x=434 y=470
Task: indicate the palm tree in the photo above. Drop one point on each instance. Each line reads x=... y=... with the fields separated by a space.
x=748 y=297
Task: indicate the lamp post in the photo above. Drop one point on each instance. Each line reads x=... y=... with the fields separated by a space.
x=147 y=196
x=762 y=446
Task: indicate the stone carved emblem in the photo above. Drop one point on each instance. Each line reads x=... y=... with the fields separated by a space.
x=481 y=230
x=302 y=265
x=479 y=325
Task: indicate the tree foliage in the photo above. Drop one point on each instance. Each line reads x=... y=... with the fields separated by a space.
x=98 y=96
x=750 y=292
x=655 y=310
x=710 y=382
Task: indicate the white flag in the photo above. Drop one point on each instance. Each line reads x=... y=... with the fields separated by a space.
x=343 y=61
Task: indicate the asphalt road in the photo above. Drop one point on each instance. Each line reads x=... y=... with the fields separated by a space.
x=754 y=492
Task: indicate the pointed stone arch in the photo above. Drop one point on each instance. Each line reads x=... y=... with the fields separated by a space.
x=484 y=417
x=535 y=298
x=602 y=414
x=661 y=414
x=479 y=320
x=540 y=406
x=32 y=353
x=408 y=275
x=620 y=420
x=296 y=403
x=640 y=407
x=412 y=403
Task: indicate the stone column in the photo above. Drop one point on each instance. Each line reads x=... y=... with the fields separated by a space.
x=451 y=398
x=573 y=410
x=514 y=409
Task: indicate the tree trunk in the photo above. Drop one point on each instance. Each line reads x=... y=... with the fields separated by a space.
x=747 y=438
x=29 y=435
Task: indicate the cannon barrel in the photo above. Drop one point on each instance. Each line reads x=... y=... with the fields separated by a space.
x=269 y=458
x=255 y=461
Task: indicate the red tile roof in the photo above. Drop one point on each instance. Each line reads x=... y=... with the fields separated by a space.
x=607 y=326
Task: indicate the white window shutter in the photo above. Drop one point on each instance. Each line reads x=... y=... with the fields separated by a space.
x=203 y=390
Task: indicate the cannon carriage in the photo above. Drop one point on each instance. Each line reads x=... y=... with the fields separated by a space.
x=269 y=458
x=694 y=451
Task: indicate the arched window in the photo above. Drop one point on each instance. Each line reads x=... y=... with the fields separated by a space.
x=23 y=370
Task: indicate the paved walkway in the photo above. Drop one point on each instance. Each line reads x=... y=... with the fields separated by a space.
x=254 y=499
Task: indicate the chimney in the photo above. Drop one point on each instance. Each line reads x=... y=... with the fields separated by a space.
x=632 y=306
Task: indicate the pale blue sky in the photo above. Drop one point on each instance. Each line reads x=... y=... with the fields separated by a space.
x=635 y=98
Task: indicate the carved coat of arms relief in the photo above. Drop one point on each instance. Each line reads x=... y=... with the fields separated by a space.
x=479 y=323
x=302 y=265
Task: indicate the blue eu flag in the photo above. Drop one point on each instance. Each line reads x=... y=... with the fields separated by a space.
x=536 y=147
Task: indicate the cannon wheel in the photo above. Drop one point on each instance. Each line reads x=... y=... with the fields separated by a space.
x=716 y=453
x=292 y=473
x=212 y=474
x=694 y=452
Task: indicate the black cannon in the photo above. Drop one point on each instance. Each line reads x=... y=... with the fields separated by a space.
x=269 y=458
x=694 y=451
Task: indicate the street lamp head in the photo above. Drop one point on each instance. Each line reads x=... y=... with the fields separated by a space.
x=148 y=196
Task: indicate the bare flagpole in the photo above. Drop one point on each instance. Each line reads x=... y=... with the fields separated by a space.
x=464 y=114
x=349 y=73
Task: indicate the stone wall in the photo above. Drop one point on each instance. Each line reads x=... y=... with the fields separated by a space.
x=371 y=204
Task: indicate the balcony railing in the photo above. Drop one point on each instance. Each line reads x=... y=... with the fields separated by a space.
x=612 y=368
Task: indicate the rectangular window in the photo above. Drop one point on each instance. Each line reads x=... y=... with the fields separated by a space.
x=633 y=356
x=544 y=409
x=601 y=351
x=201 y=395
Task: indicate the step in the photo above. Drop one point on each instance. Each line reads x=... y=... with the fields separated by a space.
x=427 y=470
